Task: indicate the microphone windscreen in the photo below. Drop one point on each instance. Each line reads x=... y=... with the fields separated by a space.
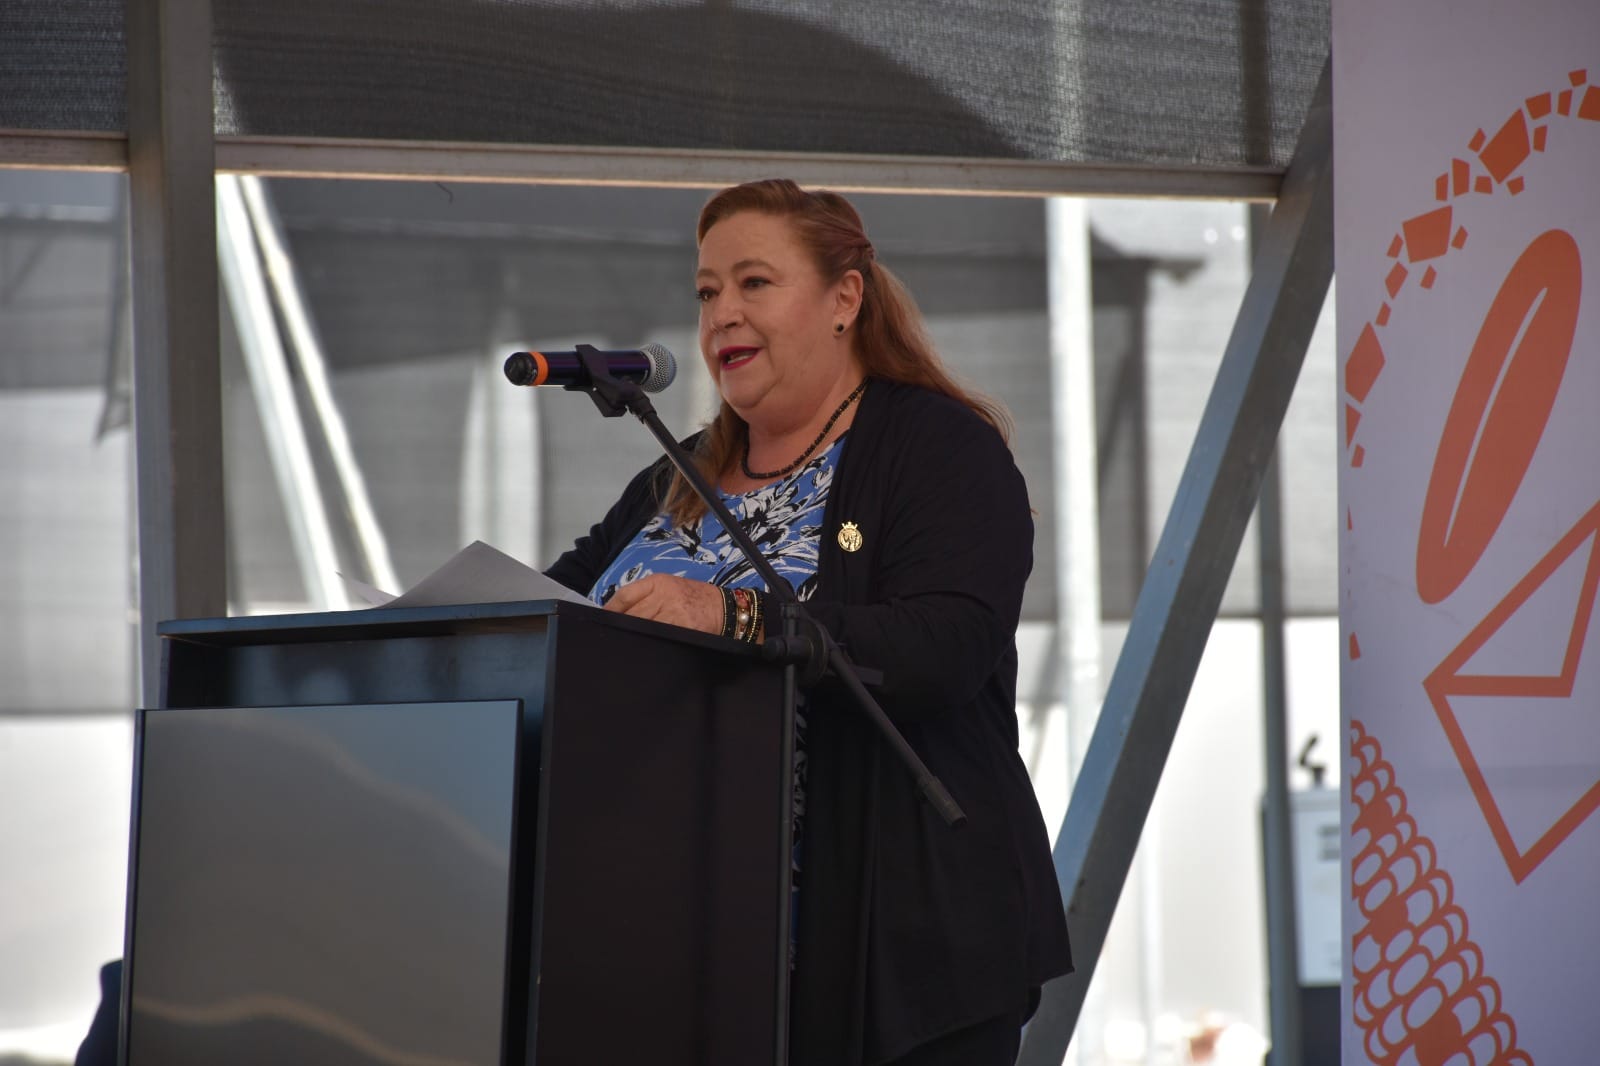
x=521 y=369
x=663 y=367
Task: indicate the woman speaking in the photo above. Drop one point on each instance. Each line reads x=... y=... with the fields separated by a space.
x=887 y=496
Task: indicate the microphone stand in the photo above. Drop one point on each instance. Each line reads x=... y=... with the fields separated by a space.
x=815 y=648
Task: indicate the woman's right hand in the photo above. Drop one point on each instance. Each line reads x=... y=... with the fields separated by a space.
x=675 y=600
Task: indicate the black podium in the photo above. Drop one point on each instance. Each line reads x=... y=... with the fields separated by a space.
x=526 y=833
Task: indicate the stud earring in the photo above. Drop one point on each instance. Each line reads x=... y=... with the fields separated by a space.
x=838 y=327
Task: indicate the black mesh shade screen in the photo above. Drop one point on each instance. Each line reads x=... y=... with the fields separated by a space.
x=63 y=65
x=1175 y=83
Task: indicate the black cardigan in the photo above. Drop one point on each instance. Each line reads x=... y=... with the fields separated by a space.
x=908 y=929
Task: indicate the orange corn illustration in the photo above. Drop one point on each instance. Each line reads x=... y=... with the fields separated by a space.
x=1420 y=994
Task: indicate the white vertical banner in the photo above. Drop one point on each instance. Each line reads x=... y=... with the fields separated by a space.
x=1467 y=193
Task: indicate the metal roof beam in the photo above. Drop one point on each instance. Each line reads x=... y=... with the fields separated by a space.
x=290 y=157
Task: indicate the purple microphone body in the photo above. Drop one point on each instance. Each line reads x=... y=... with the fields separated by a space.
x=653 y=367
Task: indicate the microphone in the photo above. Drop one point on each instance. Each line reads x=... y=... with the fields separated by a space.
x=652 y=366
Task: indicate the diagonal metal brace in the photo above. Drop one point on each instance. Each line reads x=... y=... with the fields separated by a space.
x=1184 y=586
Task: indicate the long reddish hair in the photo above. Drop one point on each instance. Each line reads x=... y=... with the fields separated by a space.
x=891 y=340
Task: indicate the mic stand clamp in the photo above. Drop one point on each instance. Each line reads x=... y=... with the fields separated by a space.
x=806 y=651
x=606 y=391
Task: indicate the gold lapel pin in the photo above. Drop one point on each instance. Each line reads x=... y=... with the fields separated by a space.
x=850 y=537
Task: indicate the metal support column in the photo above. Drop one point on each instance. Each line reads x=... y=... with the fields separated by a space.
x=244 y=282
x=1076 y=642
x=355 y=503
x=176 y=374
x=1277 y=844
x=1193 y=559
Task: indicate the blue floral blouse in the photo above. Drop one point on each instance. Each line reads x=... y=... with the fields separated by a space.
x=784 y=519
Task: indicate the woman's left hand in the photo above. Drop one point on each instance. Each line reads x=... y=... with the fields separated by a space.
x=675 y=600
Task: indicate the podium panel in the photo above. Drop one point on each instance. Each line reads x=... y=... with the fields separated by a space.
x=323 y=884
x=627 y=773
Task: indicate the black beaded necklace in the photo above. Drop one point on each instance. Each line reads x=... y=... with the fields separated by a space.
x=755 y=475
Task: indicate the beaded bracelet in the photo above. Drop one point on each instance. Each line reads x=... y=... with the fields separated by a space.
x=743 y=619
x=743 y=614
x=757 y=610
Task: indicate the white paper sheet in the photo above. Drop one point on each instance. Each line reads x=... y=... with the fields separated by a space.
x=477 y=573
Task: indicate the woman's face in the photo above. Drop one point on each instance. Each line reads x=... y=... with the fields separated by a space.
x=767 y=321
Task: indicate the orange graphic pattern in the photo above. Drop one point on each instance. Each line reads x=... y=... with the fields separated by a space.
x=1420 y=995
x=1501 y=408
x=1488 y=166
x=1452 y=678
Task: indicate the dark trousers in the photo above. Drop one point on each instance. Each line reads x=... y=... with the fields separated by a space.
x=993 y=1042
